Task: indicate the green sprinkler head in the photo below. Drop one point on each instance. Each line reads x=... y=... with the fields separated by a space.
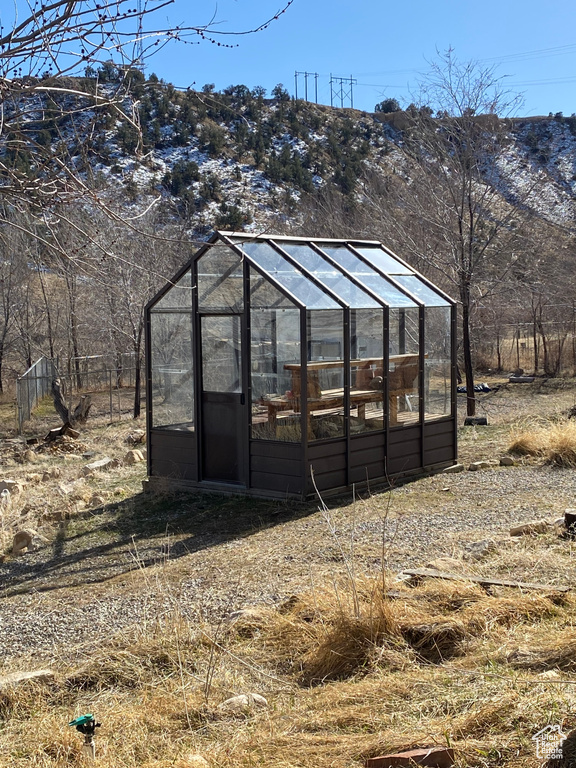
x=86 y=724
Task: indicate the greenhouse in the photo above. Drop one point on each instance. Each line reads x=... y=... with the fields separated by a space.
x=281 y=365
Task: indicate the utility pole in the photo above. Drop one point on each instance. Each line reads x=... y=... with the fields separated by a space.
x=306 y=75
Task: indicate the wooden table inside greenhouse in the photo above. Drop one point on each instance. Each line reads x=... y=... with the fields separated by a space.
x=400 y=383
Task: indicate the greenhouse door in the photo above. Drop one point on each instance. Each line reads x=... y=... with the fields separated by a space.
x=222 y=399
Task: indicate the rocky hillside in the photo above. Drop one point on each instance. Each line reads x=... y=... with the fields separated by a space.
x=238 y=160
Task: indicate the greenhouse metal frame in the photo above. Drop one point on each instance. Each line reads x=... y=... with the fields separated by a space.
x=281 y=366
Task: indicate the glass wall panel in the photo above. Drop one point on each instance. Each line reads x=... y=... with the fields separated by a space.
x=403 y=386
x=220 y=283
x=221 y=353
x=366 y=370
x=275 y=363
x=437 y=364
x=172 y=379
x=286 y=274
x=179 y=296
x=325 y=374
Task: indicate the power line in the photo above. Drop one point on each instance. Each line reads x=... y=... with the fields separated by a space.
x=559 y=50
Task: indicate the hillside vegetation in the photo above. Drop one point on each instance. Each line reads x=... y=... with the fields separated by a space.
x=168 y=167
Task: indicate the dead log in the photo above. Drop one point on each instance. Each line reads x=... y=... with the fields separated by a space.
x=64 y=430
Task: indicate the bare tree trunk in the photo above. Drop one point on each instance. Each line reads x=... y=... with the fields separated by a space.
x=79 y=415
x=467 y=351
x=48 y=313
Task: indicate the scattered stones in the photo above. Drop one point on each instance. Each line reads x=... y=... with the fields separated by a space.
x=476 y=465
x=120 y=491
x=534 y=526
x=38 y=675
x=34 y=477
x=449 y=564
x=243 y=703
x=453 y=469
x=476 y=550
x=432 y=757
x=69 y=488
x=22 y=541
x=507 y=461
x=14 y=486
x=136 y=437
x=29 y=456
x=133 y=457
x=98 y=466
x=53 y=473
x=97 y=500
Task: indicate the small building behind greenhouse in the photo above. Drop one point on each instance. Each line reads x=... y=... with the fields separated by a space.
x=276 y=364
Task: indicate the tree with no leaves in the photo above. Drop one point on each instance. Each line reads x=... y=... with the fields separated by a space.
x=40 y=49
x=449 y=213
x=48 y=117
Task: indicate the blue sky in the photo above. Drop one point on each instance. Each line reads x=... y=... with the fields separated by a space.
x=383 y=45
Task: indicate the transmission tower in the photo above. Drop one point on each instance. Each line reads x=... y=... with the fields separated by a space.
x=342 y=89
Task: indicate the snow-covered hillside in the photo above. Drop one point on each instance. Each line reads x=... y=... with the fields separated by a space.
x=236 y=160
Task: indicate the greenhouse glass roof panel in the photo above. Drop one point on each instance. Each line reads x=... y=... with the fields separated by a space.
x=368 y=276
x=421 y=290
x=384 y=261
x=286 y=274
x=329 y=275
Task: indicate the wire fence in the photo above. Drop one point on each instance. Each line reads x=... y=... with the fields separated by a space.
x=32 y=386
x=111 y=389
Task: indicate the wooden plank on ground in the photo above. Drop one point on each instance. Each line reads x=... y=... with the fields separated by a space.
x=430 y=573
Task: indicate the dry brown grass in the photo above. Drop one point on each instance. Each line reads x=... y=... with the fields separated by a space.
x=348 y=672
x=554 y=443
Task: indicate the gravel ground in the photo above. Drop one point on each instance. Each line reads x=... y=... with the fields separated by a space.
x=78 y=590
